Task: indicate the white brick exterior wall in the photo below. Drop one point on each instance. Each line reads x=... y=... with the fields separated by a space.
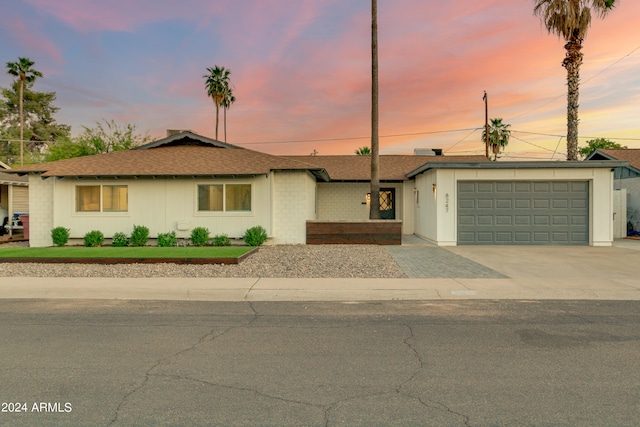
x=293 y=204
x=41 y=219
x=343 y=201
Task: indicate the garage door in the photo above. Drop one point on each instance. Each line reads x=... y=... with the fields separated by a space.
x=523 y=213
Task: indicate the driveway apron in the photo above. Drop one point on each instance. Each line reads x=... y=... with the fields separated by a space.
x=420 y=259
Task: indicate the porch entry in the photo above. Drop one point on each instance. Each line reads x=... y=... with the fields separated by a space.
x=387 y=203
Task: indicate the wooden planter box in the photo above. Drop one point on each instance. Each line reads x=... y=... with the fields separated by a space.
x=373 y=232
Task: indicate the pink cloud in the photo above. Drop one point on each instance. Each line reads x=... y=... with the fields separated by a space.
x=33 y=40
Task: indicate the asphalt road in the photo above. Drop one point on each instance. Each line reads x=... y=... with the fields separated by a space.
x=456 y=363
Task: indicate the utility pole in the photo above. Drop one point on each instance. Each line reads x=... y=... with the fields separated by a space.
x=485 y=98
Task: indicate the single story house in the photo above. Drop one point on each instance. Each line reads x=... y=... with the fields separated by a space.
x=625 y=178
x=187 y=180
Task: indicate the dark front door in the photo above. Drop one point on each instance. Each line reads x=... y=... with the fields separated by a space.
x=388 y=203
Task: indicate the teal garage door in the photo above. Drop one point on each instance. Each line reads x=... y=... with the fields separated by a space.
x=523 y=213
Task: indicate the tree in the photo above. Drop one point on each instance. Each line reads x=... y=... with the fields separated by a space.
x=570 y=19
x=23 y=71
x=227 y=100
x=374 y=206
x=217 y=84
x=103 y=138
x=40 y=126
x=499 y=135
x=594 y=144
x=363 y=151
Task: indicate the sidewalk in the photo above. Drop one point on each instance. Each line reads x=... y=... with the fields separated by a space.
x=531 y=273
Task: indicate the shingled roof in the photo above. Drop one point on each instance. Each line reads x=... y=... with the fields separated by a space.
x=632 y=155
x=185 y=154
x=189 y=154
x=392 y=167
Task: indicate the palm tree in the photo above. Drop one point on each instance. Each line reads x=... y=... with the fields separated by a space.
x=227 y=100
x=499 y=134
x=570 y=19
x=363 y=151
x=22 y=69
x=217 y=84
x=374 y=206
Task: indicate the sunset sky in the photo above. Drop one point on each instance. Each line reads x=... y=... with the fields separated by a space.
x=301 y=71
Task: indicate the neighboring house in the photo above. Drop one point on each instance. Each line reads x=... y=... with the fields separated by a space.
x=625 y=177
x=14 y=194
x=187 y=180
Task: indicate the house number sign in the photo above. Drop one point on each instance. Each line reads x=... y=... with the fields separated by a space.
x=446 y=202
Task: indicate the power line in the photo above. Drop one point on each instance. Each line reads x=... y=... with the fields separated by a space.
x=354 y=137
x=583 y=82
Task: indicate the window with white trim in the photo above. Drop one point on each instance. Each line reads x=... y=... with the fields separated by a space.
x=224 y=198
x=102 y=198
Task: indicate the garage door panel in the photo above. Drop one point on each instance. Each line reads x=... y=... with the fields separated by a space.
x=578 y=204
x=541 y=187
x=485 y=204
x=561 y=204
x=504 y=237
x=466 y=204
x=522 y=187
x=560 y=187
x=541 y=204
x=485 y=237
x=514 y=212
x=541 y=237
x=485 y=219
x=504 y=204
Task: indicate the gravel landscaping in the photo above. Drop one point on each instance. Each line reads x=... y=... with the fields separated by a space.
x=329 y=261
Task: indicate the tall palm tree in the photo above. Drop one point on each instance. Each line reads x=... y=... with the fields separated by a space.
x=570 y=19
x=23 y=71
x=227 y=100
x=217 y=84
x=499 y=134
x=374 y=206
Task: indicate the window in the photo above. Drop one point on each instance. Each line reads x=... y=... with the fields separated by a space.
x=210 y=197
x=102 y=198
x=238 y=197
x=224 y=198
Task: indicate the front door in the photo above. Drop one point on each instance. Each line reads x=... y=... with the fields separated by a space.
x=387 y=203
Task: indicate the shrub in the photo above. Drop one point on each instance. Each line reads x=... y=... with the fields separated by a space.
x=167 y=239
x=255 y=236
x=221 y=240
x=119 y=240
x=93 y=238
x=199 y=236
x=139 y=236
x=60 y=236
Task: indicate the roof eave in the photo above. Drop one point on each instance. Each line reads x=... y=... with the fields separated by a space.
x=594 y=164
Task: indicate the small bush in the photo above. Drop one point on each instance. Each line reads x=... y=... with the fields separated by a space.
x=199 y=236
x=93 y=238
x=255 y=236
x=119 y=240
x=139 y=236
x=60 y=236
x=221 y=240
x=167 y=239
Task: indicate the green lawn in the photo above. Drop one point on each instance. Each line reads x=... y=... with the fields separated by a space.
x=126 y=252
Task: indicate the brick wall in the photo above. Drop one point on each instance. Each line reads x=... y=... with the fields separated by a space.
x=292 y=197
x=40 y=210
x=343 y=201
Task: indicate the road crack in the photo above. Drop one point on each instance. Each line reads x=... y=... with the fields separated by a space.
x=208 y=337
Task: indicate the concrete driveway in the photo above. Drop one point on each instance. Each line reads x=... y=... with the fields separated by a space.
x=572 y=268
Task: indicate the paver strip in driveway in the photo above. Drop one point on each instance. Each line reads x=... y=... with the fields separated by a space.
x=433 y=262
